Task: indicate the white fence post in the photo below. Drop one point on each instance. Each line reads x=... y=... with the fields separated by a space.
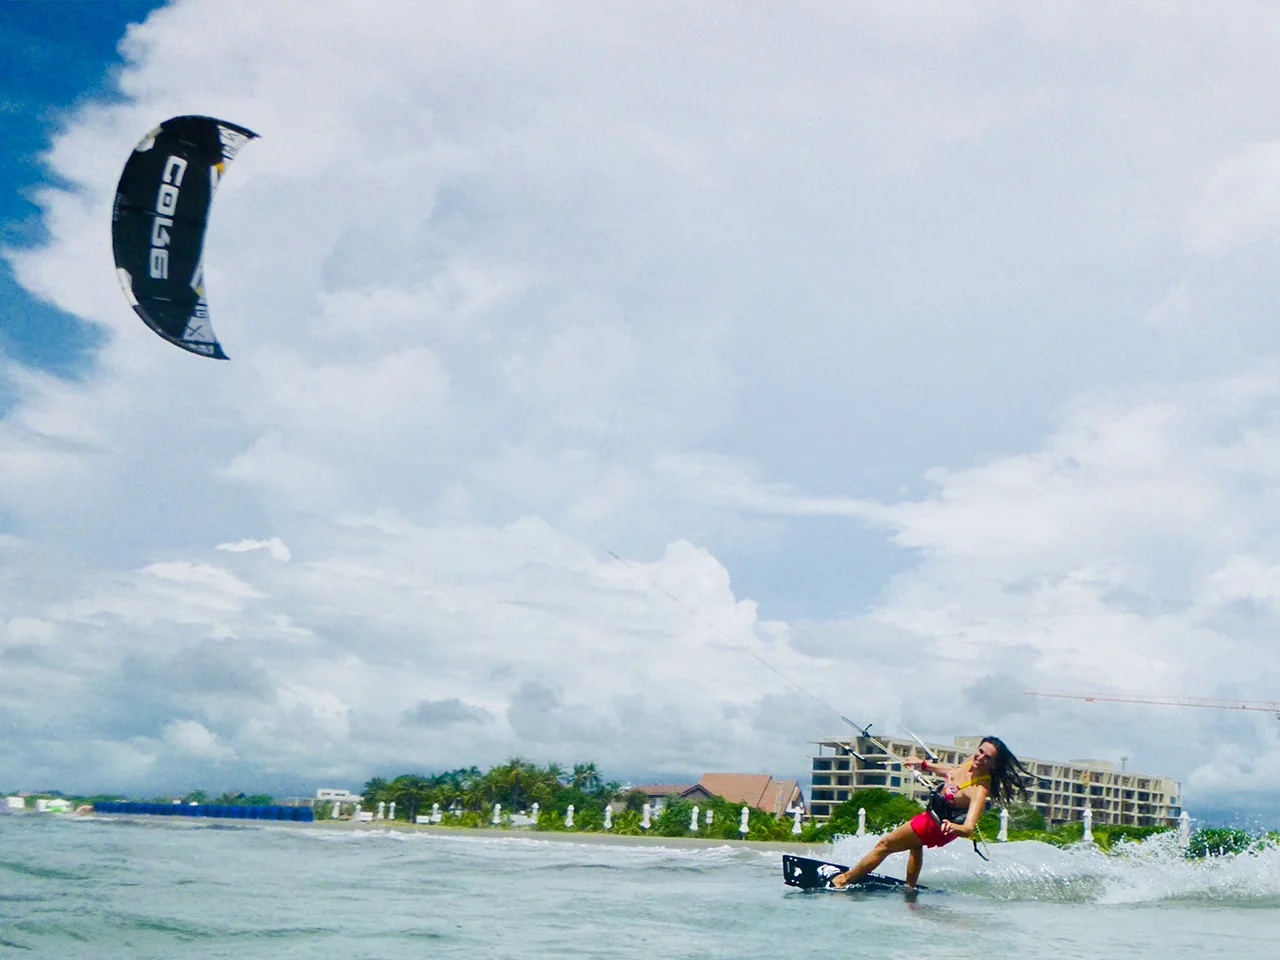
x=336 y=811
x=497 y=814
x=862 y=821
x=391 y=811
x=744 y=820
x=693 y=821
x=1087 y=817
x=568 y=820
x=1184 y=828
x=1003 y=835
x=795 y=824
x=644 y=820
x=435 y=813
x=608 y=816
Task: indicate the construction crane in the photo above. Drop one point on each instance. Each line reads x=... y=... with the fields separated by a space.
x=1266 y=706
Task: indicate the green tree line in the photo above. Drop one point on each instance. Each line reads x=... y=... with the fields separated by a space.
x=466 y=797
x=517 y=784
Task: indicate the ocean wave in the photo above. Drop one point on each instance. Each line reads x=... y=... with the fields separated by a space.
x=41 y=871
x=1153 y=871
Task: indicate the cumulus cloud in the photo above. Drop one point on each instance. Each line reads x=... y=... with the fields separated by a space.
x=439 y=713
x=194 y=739
x=275 y=547
x=1240 y=203
x=569 y=351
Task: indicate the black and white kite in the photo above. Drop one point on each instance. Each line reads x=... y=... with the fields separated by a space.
x=158 y=225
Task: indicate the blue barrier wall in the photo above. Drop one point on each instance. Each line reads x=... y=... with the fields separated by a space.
x=225 y=811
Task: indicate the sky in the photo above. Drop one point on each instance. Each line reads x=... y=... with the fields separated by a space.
x=648 y=384
x=55 y=55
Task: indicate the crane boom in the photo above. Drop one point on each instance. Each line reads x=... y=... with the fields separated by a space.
x=1266 y=706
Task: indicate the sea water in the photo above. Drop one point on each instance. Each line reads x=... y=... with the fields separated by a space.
x=124 y=887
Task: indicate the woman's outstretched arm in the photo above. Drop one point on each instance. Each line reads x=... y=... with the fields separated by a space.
x=930 y=766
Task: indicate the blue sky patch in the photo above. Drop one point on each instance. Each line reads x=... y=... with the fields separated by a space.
x=53 y=57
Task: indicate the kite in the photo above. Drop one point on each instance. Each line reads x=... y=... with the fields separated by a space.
x=158 y=225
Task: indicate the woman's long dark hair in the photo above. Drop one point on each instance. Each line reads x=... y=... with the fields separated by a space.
x=1006 y=774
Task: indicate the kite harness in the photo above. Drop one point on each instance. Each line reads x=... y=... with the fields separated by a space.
x=940 y=806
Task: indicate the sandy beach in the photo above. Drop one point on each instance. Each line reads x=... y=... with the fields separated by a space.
x=514 y=833
x=525 y=833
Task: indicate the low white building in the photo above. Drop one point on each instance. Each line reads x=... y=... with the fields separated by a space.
x=342 y=796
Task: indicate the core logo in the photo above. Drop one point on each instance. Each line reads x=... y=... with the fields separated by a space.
x=166 y=205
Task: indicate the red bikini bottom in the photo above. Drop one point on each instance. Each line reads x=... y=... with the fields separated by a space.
x=929 y=829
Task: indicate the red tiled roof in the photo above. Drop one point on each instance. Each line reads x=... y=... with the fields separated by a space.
x=667 y=789
x=755 y=790
x=745 y=788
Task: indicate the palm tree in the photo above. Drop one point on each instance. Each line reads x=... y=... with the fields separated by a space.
x=410 y=792
x=373 y=790
x=517 y=783
x=586 y=778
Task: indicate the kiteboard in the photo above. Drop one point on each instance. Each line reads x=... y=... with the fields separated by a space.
x=810 y=874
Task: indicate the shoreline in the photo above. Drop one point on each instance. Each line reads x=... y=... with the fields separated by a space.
x=515 y=833
x=556 y=836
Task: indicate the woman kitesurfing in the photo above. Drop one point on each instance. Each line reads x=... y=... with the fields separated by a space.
x=953 y=809
x=957 y=794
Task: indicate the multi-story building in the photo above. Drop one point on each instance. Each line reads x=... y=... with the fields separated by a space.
x=1062 y=790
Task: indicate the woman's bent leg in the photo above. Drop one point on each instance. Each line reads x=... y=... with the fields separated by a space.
x=915 y=859
x=902 y=838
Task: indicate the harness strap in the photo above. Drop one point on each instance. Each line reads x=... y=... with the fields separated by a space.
x=943 y=810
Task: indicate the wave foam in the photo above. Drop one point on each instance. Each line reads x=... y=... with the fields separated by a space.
x=1148 y=872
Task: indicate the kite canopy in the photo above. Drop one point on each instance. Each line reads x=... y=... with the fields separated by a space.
x=158 y=224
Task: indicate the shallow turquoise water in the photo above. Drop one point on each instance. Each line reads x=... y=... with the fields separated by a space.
x=115 y=888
